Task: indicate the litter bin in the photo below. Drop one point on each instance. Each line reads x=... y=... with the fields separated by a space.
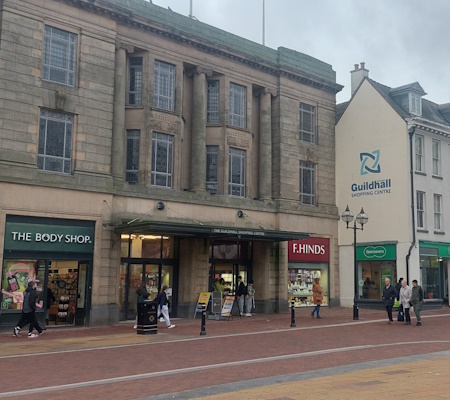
x=146 y=318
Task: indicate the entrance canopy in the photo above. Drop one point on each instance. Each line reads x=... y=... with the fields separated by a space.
x=206 y=231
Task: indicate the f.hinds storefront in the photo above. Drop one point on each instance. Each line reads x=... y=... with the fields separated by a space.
x=308 y=259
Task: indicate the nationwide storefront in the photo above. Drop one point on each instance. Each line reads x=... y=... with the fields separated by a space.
x=308 y=259
x=58 y=254
x=434 y=262
x=376 y=261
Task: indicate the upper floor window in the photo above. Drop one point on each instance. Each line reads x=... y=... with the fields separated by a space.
x=437 y=212
x=55 y=142
x=415 y=104
x=419 y=153
x=212 y=156
x=60 y=56
x=212 y=108
x=132 y=161
x=308 y=131
x=162 y=159
x=436 y=150
x=238 y=105
x=164 y=91
x=307 y=183
x=421 y=210
x=135 y=81
x=236 y=172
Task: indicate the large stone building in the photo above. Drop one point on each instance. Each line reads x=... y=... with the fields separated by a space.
x=393 y=159
x=137 y=144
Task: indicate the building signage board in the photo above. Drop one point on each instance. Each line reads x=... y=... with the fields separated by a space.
x=443 y=248
x=370 y=165
x=312 y=249
x=376 y=252
x=227 y=306
x=41 y=237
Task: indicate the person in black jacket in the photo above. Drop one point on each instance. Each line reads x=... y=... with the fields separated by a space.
x=29 y=312
x=389 y=295
x=398 y=286
x=240 y=294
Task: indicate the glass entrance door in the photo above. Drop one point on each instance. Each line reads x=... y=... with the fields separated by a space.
x=151 y=278
x=82 y=302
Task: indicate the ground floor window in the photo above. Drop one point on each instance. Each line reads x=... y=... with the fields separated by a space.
x=300 y=282
x=431 y=279
x=371 y=275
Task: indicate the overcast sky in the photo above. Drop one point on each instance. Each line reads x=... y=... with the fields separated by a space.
x=401 y=41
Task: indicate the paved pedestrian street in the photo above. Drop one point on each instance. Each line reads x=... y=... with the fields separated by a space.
x=260 y=357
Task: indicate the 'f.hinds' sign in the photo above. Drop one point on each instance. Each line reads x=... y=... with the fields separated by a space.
x=312 y=249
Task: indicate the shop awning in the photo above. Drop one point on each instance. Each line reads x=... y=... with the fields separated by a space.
x=206 y=231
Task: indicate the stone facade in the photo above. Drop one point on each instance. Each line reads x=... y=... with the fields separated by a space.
x=108 y=34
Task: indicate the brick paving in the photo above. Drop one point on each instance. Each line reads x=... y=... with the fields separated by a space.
x=178 y=360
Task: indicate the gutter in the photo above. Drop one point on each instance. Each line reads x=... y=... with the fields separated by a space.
x=411 y=131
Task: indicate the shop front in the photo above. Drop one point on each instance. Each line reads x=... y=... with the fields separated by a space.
x=308 y=259
x=376 y=262
x=434 y=262
x=58 y=254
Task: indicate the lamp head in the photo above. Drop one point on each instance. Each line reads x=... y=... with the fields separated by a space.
x=362 y=218
x=347 y=216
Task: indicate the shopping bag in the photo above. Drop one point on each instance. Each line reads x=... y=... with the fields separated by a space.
x=401 y=315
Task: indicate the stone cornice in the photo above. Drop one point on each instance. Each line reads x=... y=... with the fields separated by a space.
x=430 y=126
x=127 y=47
x=125 y=16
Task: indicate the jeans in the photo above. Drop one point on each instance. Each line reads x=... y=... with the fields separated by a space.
x=165 y=314
x=316 y=309
x=29 y=318
x=389 y=312
x=241 y=304
x=407 y=316
x=417 y=314
x=249 y=304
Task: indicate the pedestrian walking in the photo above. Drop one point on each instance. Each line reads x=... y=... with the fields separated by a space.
x=240 y=294
x=417 y=300
x=164 y=306
x=317 y=297
x=389 y=295
x=398 y=286
x=250 y=299
x=142 y=295
x=405 y=301
x=29 y=313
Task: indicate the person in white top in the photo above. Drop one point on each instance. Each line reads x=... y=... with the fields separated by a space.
x=405 y=298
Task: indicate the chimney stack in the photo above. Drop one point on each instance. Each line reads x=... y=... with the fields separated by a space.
x=357 y=75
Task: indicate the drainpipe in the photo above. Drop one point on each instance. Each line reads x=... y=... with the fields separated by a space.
x=411 y=132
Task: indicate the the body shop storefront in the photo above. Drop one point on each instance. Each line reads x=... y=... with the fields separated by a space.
x=376 y=262
x=58 y=253
x=308 y=259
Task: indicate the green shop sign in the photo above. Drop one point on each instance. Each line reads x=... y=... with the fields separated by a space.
x=41 y=237
x=376 y=252
x=443 y=248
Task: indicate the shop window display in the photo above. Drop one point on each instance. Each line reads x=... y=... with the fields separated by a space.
x=430 y=276
x=300 y=281
x=372 y=275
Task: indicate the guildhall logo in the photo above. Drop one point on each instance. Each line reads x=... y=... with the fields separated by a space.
x=371 y=158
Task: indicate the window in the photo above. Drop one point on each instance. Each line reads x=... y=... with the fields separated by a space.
x=415 y=104
x=162 y=160
x=421 y=210
x=238 y=105
x=135 y=81
x=60 y=56
x=212 y=156
x=212 y=108
x=164 y=92
x=236 y=172
x=308 y=123
x=55 y=142
x=307 y=183
x=419 y=153
x=132 y=163
x=436 y=150
x=437 y=212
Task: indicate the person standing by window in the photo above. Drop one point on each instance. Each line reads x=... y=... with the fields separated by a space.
x=389 y=295
x=317 y=297
x=240 y=294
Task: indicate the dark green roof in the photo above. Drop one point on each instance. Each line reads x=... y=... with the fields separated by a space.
x=185 y=26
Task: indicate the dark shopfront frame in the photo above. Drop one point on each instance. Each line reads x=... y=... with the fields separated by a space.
x=31 y=249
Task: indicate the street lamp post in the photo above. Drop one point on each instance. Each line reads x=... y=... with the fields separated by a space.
x=362 y=218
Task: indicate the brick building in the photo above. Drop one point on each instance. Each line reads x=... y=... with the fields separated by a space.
x=139 y=144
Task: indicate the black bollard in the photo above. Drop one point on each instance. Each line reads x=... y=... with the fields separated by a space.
x=292 y=314
x=203 y=331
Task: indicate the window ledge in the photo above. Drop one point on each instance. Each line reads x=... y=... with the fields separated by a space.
x=213 y=125
x=420 y=173
x=237 y=128
x=437 y=177
x=422 y=230
x=164 y=111
x=132 y=106
x=439 y=233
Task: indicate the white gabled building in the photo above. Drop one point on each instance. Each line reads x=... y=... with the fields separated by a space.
x=393 y=159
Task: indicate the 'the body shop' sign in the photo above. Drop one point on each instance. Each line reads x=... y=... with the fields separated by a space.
x=312 y=249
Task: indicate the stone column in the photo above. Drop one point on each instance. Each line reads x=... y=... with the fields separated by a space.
x=198 y=133
x=118 y=131
x=265 y=144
